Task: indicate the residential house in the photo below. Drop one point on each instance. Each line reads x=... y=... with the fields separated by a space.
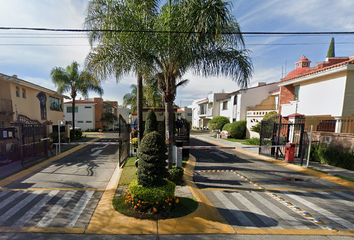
x=325 y=91
x=90 y=113
x=22 y=98
x=203 y=110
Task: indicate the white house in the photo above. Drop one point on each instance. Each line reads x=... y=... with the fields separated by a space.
x=203 y=110
x=84 y=114
x=324 y=91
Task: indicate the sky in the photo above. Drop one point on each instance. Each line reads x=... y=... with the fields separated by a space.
x=31 y=55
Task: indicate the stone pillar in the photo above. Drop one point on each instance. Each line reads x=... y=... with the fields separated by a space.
x=339 y=124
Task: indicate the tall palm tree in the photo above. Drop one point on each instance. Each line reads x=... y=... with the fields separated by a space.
x=130 y=99
x=202 y=36
x=73 y=81
x=120 y=53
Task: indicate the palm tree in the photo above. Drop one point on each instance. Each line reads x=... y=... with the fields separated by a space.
x=211 y=45
x=130 y=99
x=73 y=81
x=121 y=53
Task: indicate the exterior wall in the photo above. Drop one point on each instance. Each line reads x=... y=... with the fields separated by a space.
x=339 y=141
x=98 y=113
x=226 y=112
x=318 y=96
x=5 y=104
x=348 y=105
x=84 y=117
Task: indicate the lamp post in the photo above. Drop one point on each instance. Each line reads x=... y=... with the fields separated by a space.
x=60 y=122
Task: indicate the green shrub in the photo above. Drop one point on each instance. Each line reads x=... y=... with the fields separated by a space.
x=227 y=127
x=332 y=156
x=217 y=123
x=257 y=127
x=161 y=128
x=134 y=142
x=154 y=199
x=150 y=123
x=152 y=160
x=175 y=175
x=238 y=130
x=75 y=134
x=252 y=141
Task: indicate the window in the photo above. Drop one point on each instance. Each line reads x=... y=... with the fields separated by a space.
x=235 y=100
x=70 y=109
x=98 y=121
x=23 y=93
x=17 y=92
x=305 y=64
x=189 y=114
x=224 y=105
x=88 y=107
x=80 y=121
x=55 y=104
x=296 y=92
x=88 y=121
x=2 y=124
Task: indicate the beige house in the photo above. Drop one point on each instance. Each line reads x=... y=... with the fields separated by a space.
x=21 y=98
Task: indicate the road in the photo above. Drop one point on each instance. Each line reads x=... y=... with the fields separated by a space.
x=63 y=194
x=256 y=194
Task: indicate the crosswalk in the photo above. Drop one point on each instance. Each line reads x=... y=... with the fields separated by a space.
x=47 y=208
x=257 y=209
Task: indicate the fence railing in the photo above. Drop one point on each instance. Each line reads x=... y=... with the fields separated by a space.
x=330 y=125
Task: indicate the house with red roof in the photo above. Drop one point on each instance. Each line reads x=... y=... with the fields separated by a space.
x=325 y=91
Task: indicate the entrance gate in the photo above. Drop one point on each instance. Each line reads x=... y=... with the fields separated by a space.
x=32 y=133
x=276 y=133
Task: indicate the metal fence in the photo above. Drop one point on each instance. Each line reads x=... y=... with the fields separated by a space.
x=124 y=140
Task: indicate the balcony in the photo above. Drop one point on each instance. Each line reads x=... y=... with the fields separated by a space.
x=6 y=106
x=207 y=113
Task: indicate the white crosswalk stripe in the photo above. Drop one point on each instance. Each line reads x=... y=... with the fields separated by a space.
x=266 y=220
x=79 y=207
x=238 y=214
x=19 y=206
x=279 y=212
x=3 y=193
x=48 y=218
x=320 y=210
x=10 y=199
x=25 y=218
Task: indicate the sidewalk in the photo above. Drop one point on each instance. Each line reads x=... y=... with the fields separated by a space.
x=331 y=170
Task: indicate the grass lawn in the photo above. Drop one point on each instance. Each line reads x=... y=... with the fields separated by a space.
x=184 y=207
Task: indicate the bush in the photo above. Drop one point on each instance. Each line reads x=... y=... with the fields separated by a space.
x=257 y=128
x=150 y=123
x=134 y=142
x=152 y=160
x=227 y=127
x=175 y=175
x=238 y=130
x=252 y=141
x=332 y=156
x=75 y=134
x=161 y=128
x=217 y=123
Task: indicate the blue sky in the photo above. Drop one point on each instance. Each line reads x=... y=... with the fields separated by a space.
x=272 y=56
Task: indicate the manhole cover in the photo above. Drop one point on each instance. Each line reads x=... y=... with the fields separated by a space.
x=293 y=179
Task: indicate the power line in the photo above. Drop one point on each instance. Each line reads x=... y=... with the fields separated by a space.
x=181 y=32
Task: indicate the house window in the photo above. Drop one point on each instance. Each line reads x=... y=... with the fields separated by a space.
x=17 y=92
x=189 y=114
x=224 y=105
x=55 y=104
x=23 y=93
x=80 y=121
x=70 y=109
x=235 y=100
x=296 y=92
x=88 y=107
x=88 y=121
x=305 y=64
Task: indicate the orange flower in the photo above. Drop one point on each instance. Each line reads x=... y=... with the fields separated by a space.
x=135 y=207
x=169 y=204
x=126 y=201
x=177 y=200
x=157 y=202
x=155 y=210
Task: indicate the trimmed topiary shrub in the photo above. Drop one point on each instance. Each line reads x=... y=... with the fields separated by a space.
x=175 y=175
x=227 y=127
x=152 y=194
x=238 y=130
x=217 y=123
x=150 y=123
x=161 y=128
x=152 y=160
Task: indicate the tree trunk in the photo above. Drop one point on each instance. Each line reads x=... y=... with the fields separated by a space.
x=139 y=106
x=169 y=129
x=73 y=115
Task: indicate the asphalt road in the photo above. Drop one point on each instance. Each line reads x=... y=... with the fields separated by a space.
x=252 y=193
x=62 y=194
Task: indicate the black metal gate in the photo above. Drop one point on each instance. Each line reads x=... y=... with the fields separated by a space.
x=33 y=133
x=124 y=140
x=276 y=133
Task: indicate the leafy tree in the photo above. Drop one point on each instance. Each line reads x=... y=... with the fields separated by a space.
x=131 y=99
x=73 y=81
x=257 y=127
x=331 y=49
x=150 y=123
x=217 y=123
x=122 y=52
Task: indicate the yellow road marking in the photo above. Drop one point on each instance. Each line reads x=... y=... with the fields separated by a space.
x=319 y=232
x=42 y=230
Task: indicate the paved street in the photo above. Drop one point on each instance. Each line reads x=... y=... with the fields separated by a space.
x=251 y=193
x=62 y=194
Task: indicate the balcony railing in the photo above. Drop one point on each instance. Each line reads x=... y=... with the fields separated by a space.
x=344 y=125
x=208 y=112
x=6 y=106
